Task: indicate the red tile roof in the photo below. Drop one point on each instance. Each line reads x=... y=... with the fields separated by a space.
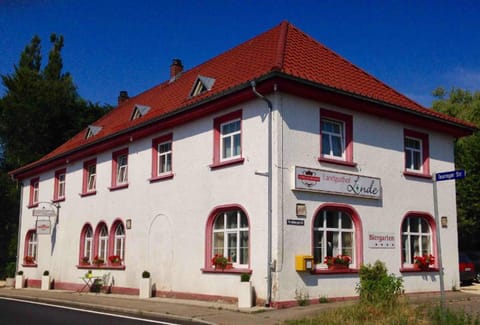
x=282 y=50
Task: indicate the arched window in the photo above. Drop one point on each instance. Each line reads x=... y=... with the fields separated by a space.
x=88 y=244
x=119 y=241
x=228 y=236
x=336 y=231
x=31 y=248
x=417 y=237
x=102 y=248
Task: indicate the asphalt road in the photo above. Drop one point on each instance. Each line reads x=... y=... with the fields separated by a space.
x=19 y=312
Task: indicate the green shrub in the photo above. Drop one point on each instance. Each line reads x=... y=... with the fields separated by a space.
x=376 y=287
x=10 y=269
x=46 y=272
x=244 y=277
x=145 y=274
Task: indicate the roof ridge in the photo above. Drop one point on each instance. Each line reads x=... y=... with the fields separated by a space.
x=281 y=46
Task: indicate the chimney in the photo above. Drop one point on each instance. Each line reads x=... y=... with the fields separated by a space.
x=176 y=68
x=123 y=96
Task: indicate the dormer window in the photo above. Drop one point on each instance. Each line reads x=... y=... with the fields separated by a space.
x=139 y=111
x=92 y=131
x=201 y=85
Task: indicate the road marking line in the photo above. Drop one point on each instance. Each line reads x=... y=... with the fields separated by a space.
x=90 y=311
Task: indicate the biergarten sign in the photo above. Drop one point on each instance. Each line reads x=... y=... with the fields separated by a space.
x=324 y=181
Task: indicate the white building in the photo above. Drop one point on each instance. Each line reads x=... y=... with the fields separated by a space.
x=330 y=161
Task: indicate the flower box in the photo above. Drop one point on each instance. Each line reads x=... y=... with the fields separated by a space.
x=115 y=260
x=423 y=262
x=339 y=262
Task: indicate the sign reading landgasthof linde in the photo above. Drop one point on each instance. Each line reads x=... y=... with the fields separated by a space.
x=317 y=180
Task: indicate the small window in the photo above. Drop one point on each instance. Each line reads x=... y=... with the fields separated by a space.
x=162 y=157
x=333 y=139
x=227 y=140
x=139 y=111
x=416 y=154
x=201 y=85
x=89 y=177
x=59 y=186
x=92 y=131
x=336 y=138
x=34 y=192
x=120 y=169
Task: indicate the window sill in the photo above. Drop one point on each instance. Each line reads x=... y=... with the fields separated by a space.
x=417 y=270
x=30 y=265
x=100 y=267
x=336 y=271
x=337 y=162
x=228 y=271
x=161 y=177
x=118 y=187
x=88 y=193
x=58 y=200
x=221 y=164
x=418 y=175
x=34 y=205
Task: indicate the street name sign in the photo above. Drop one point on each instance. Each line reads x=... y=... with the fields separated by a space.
x=446 y=176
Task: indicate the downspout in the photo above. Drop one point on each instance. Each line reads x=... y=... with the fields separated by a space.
x=19 y=230
x=269 y=172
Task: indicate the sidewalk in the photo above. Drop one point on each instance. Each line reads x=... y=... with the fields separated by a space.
x=207 y=312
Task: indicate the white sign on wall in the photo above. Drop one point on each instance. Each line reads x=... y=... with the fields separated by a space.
x=381 y=240
x=317 y=180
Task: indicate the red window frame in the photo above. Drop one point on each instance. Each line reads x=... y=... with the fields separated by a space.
x=86 y=164
x=28 y=235
x=208 y=239
x=56 y=195
x=115 y=156
x=31 y=201
x=347 y=121
x=423 y=137
x=217 y=122
x=82 y=243
x=155 y=142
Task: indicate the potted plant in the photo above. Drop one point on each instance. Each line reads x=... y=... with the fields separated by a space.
x=221 y=263
x=45 y=280
x=19 y=282
x=10 y=270
x=98 y=261
x=338 y=262
x=145 y=285
x=245 y=292
x=85 y=261
x=29 y=260
x=423 y=262
x=115 y=260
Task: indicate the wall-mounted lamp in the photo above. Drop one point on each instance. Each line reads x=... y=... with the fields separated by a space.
x=444 y=222
x=129 y=223
x=301 y=210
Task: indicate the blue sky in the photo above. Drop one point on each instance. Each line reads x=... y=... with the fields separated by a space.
x=413 y=46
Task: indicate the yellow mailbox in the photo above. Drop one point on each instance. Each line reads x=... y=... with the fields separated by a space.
x=304 y=263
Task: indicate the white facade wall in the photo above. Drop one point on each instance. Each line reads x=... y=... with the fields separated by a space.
x=169 y=217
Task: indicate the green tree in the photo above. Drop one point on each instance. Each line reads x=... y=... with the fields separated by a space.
x=40 y=110
x=465 y=105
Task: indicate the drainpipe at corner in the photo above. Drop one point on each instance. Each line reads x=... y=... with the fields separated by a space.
x=269 y=227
